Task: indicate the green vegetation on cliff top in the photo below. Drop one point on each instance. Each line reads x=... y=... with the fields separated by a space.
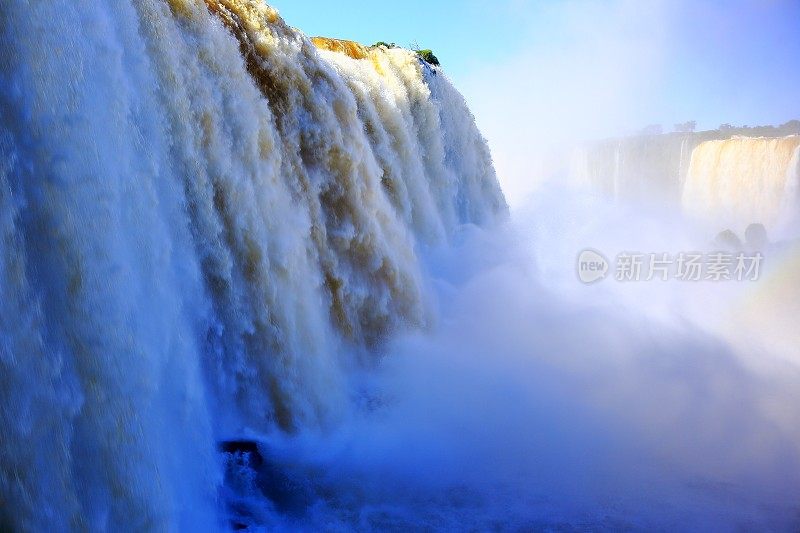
x=425 y=55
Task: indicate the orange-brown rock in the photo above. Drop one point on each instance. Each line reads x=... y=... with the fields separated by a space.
x=350 y=48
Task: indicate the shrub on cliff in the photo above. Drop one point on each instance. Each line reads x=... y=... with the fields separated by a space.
x=428 y=57
x=425 y=55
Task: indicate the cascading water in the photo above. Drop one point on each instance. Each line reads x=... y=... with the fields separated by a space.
x=743 y=180
x=251 y=280
x=718 y=178
x=205 y=222
x=645 y=169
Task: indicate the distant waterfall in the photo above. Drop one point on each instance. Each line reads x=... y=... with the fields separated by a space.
x=204 y=222
x=723 y=179
x=638 y=169
x=743 y=180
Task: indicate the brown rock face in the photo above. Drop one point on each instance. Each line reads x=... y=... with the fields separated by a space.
x=350 y=48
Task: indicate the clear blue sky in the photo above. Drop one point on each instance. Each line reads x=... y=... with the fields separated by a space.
x=719 y=61
x=462 y=33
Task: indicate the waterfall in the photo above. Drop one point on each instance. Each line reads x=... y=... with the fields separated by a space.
x=743 y=180
x=723 y=179
x=790 y=207
x=645 y=170
x=205 y=222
